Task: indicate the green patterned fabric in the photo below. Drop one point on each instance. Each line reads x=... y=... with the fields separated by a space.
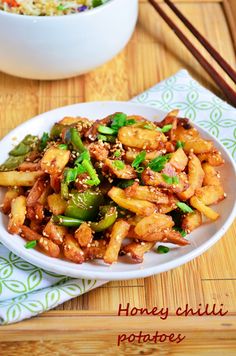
x=26 y=290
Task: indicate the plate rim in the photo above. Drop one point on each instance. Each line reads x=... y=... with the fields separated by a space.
x=119 y=275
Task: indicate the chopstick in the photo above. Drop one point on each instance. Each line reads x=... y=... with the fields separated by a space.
x=222 y=84
x=219 y=59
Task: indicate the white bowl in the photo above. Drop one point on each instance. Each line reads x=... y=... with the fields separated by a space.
x=201 y=239
x=57 y=47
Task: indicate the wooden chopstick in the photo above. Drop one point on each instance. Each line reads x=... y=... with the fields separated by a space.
x=219 y=59
x=222 y=84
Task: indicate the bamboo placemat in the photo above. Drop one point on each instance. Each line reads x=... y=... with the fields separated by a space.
x=90 y=321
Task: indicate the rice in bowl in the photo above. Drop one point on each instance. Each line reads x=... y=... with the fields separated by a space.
x=48 y=7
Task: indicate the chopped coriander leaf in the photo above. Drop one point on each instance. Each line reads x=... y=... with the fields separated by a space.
x=158 y=163
x=119 y=164
x=165 y=128
x=184 y=207
x=179 y=144
x=106 y=130
x=138 y=160
x=181 y=231
x=117 y=153
x=63 y=146
x=31 y=244
x=162 y=249
x=44 y=140
x=125 y=184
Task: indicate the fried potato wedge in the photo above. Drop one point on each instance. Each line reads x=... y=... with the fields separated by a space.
x=55 y=232
x=99 y=151
x=36 y=191
x=20 y=179
x=198 y=146
x=132 y=153
x=210 y=194
x=84 y=235
x=205 y=210
x=211 y=177
x=118 y=234
x=96 y=250
x=56 y=204
x=151 y=194
x=72 y=250
x=29 y=167
x=191 y=221
x=175 y=237
x=140 y=207
x=184 y=135
x=67 y=120
x=10 y=195
x=141 y=138
x=137 y=250
x=214 y=158
x=48 y=246
x=154 y=223
x=195 y=177
x=127 y=172
x=17 y=215
x=156 y=179
x=179 y=160
x=55 y=160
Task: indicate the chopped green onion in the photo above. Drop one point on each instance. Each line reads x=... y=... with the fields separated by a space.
x=125 y=184
x=180 y=144
x=44 y=140
x=96 y=3
x=158 y=163
x=60 y=7
x=117 y=153
x=165 y=128
x=31 y=244
x=130 y=122
x=119 y=164
x=181 y=231
x=92 y=172
x=138 y=160
x=76 y=140
x=167 y=178
x=184 y=207
x=148 y=127
x=175 y=180
x=106 y=130
x=102 y=137
x=63 y=146
x=119 y=120
x=162 y=249
x=71 y=175
x=170 y=180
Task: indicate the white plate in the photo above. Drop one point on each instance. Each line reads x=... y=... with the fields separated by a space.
x=201 y=239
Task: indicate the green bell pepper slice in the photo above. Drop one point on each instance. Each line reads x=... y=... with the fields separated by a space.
x=84 y=205
x=109 y=217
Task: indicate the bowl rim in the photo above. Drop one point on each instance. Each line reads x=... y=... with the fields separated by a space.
x=139 y=272
x=59 y=18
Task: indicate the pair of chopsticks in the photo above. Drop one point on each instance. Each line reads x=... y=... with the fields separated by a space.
x=230 y=94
